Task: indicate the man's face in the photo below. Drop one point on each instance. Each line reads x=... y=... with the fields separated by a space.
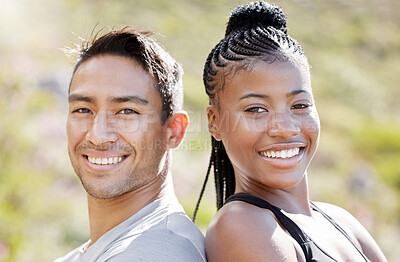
x=116 y=141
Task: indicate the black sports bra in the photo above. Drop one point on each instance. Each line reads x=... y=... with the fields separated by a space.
x=312 y=252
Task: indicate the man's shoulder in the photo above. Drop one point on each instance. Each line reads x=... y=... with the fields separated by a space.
x=160 y=232
x=74 y=255
x=161 y=244
x=165 y=215
x=167 y=235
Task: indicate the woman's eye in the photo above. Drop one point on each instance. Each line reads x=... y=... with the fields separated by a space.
x=301 y=106
x=256 y=109
x=127 y=111
x=82 y=111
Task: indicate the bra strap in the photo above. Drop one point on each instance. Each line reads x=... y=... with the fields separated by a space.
x=341 y=230
x=290 y=226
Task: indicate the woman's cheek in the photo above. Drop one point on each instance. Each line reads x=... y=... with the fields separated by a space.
x=311 y=123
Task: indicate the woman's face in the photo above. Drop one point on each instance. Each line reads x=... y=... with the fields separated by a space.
x=268 y=123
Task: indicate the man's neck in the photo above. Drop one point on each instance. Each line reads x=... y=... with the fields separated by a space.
x=104 y=214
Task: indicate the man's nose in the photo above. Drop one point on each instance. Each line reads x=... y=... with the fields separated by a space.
x=283 y=125
x=102 y=129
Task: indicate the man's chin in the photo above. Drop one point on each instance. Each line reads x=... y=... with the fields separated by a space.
x=99 y=192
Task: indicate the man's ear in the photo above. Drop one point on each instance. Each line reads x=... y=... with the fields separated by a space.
x=176 y=124
x=214 y=122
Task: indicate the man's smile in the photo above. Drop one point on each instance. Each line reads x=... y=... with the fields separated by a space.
x=106 y=160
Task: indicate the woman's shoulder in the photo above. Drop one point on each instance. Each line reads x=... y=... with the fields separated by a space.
x=242 y=232
x=335 y=212
x=242 y=217
x=341 y=216
x=354 y=229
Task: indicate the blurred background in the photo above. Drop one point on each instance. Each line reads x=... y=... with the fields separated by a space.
x=354 y=50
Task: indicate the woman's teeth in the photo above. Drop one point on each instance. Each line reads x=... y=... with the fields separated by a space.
x=282 y=153
x=105 y=161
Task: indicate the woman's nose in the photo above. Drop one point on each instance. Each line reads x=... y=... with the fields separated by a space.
x=283 y=125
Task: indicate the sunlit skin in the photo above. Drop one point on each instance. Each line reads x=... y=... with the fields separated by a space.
x=270 y=108
x=115 y=114
x=262 y=112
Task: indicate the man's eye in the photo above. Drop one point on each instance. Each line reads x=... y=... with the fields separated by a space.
x=127 y=111
x=256 y=109
x=82 y=111
x=301 y=106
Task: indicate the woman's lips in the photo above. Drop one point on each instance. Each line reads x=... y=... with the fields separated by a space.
x=284 y=153
x=283 y=158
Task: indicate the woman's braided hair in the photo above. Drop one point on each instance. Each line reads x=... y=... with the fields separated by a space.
x=255 y=31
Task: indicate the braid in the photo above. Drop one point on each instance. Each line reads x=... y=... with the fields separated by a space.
x=228 y=175
x=204 y=187
x=239 y=47
x=216 y=59
x=253 y=37
x=223 y=173
x=240 y=40
x=219 y=180
x=265 y=36
x=228 y=55
x=255 y=31
x=207 y=75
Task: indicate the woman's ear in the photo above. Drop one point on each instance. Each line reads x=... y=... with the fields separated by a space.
x=176 y=124
x=214 y=122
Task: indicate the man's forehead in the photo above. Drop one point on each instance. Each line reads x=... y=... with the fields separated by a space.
x=112 y=78
x=111 y=99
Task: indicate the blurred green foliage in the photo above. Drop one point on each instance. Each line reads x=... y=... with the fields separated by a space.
x=354 y=50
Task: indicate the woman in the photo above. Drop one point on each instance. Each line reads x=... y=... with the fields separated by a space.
x=265 y=131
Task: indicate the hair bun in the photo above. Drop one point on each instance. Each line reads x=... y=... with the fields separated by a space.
x=256 y=14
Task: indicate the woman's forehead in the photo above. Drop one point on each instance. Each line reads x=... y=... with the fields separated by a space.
x=264 y=74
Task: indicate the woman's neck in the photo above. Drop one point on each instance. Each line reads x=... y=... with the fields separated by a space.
x=291 y=200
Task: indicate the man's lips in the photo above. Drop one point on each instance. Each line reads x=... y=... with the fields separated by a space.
x=105 y=160
x=104 y=157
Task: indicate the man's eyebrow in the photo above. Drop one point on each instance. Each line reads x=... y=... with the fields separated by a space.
x=296 y=92
x=122 y=99
x=74 y=98
x=253 y=95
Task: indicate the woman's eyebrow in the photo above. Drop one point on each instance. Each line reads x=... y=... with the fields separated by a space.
x=253 y=95
x=296 y=92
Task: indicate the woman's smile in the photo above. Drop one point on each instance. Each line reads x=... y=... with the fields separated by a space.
x=286 y=158
x=276 y=126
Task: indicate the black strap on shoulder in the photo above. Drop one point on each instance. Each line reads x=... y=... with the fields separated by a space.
x=290 y=226
x=341 y=230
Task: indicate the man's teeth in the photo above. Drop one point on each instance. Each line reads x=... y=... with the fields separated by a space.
x=105 y=161
x=282 y=153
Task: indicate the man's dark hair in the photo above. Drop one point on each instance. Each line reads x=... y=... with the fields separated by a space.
x=142 y=48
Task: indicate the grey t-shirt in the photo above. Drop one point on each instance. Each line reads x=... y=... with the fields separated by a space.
x=159 y=232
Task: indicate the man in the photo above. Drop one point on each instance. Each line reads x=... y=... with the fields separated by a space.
x=125 y=114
